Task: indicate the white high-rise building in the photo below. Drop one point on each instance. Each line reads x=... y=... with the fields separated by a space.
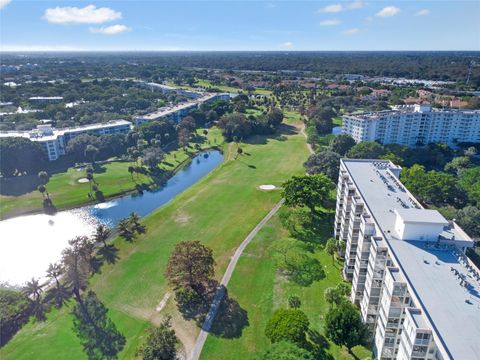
x=417 y=291
x=414 y=125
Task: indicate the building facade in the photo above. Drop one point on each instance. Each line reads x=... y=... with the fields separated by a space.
x=418 y=293
x=177 y=112
x=55 y=140
x=414 y=125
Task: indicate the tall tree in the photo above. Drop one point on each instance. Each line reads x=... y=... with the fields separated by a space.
x=289 y=325
x=161 y=343
x=366 y=150
x=191 y=265
x=58 y=292
x=101 y=234
x=311 y=191
x=20 y=155
x=97 y=333
x=331 y=248
x=91 y=153
x=344 y=326
x=341 y=144
x=77 y=266
x=33 y=289
x=325 y=162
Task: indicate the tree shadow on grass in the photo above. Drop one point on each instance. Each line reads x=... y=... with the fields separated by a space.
x=99 y=169
x=279 y=134
x=318 y=345
x=306 y=271
x=109 y=254
x=231 y=319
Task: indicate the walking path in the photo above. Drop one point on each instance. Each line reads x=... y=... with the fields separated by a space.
x=217 y=300
x=202 y=337
x=309 y=146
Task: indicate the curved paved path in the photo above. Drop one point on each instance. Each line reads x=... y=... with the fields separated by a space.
x=202 y=337
x=217 y=300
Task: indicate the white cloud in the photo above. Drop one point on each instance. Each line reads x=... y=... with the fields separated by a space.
x=334 y=8
x=357 y=4
x=4 y=3
x=423 y=12
x=110 y=30
x=330 y=22
x=88 y=15
x=352 y=31
x=287 y=45
x=388 y=11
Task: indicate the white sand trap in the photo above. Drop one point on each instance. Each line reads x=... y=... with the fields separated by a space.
x=83 y=180
x=267 y=187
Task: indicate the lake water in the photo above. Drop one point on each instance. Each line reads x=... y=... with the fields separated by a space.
x=29 y=243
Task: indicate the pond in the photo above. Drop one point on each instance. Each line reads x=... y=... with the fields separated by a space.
x=29 y=243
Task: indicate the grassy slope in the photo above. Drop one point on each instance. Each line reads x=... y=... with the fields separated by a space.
x=260 y=290
x=67 y=192
x=220 y=210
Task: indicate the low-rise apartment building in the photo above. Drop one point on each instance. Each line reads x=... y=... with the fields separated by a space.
x=55 y=140
x=413 y=125
x=417 y=291
x=177 y=112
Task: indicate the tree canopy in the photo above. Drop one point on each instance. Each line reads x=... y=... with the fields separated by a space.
x=325 y=162
x=311 y=191
x=344 y=326
x=161 y=343
x=20 y=155
x=289 y=325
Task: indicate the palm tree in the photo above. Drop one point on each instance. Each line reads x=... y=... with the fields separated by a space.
x=124 y=228
x=77 y=267
x=33 y=289
x=131 y=170
x=59 y=292
x=42 y=189
x=134 y=220
x=101 y=234
x=43 y=178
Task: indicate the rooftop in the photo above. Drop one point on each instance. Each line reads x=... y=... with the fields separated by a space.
x=451 y=305
x=421 y=216
x=404 y=109
x=47 y=133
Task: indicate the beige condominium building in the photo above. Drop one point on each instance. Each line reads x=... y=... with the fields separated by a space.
x=417 y=291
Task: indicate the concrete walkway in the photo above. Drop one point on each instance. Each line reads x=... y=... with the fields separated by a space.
x=217 y=300
x=202 y=337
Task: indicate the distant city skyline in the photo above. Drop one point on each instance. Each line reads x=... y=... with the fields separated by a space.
x=238 y=25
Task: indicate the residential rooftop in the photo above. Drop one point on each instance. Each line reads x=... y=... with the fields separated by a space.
x=442 y=280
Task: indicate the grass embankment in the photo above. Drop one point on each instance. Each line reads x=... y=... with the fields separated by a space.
x=66 y=192
x=219 y=210
x=260 y=290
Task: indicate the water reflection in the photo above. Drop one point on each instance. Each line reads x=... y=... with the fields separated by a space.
x=29 y=243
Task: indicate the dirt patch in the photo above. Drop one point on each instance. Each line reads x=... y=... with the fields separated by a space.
x=181 y=217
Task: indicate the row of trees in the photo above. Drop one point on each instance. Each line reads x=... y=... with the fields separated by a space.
x=237 y=126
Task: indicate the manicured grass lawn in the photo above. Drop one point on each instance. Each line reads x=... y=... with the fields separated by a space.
x=260 y=290
x=66 y=192
x=337 y=121
x=220 y=210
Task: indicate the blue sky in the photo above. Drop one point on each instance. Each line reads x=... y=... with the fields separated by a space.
x=239 y=25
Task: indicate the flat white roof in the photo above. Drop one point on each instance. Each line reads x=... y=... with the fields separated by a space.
x=421 y=216
x=452 y=309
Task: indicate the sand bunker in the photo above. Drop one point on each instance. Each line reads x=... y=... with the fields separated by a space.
x=83 y=180
x=267 y=187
